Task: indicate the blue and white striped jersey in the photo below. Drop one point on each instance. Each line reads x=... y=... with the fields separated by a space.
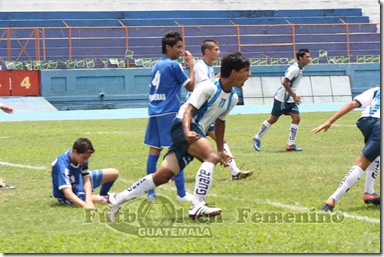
x=370 y=100
x=203 y=71
x=167 y=78
x=294 y=74
x=211 y=102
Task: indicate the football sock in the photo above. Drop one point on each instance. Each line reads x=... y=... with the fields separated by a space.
x=151 y=168
x=349 y=180
x=203 y=182
x=138 y=188
x=264 y=127
x=232 y=163
x=106 y=187
x=180 y=183
x=371 y=173
x=292 y=133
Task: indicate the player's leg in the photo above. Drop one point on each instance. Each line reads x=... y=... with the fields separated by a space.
x=371 y=130
x=237 y=174
x=166 y=171
x=203 y=150
x=104 y=178
x=370 y=195
x=294 y=128
x=275 y=114
x=152 y=139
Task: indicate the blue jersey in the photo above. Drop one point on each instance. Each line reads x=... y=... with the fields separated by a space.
x=65 y=174
x=167 y=78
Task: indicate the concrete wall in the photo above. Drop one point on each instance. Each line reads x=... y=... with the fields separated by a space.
x=127 y=88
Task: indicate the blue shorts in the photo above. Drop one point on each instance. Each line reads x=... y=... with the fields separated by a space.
x=370 y=128
x=211 y=127
x=180 y=144
x=158 y=134
x=96 y=178
x=280 y=108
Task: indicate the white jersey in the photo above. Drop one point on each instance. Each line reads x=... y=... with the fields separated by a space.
x=203 y=71
x=370 y=100
x=294 y=74
x=211 y=102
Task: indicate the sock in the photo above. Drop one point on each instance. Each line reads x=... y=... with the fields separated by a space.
x=292 y=133
x=138 y=188
x=371 y=173
x=180 y=183
x=349 y=180
x=232 y=163
x=264 y=127
x=151 y=168
x=106 y=187
x=203 y=182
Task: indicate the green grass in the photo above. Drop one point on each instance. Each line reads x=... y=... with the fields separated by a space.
x=32 y=222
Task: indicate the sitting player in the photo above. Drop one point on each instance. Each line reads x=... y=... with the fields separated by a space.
x=73 y=183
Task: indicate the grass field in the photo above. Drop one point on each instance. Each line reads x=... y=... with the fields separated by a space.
x=288 y=184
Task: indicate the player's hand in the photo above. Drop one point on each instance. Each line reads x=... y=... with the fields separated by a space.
x=188 y=57
x=190 y=136
x=224 y=158
x=297 y=99
x=89 y=206
x=7 y=109
x=325 y=126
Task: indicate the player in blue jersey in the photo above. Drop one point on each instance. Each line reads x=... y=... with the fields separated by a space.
x=72 y=183
x=203 y=71
x=6 y=109
x=369 y=125
x=167 y=79
x=286 y=102
x=211 y=101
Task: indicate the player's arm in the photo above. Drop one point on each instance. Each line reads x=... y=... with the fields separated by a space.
x=6 y=108
x=189 y=59
x=186 y=123
x=68 y=193
x=219 y=133
x=286 y=84
x=344 y=110
x=87 y=185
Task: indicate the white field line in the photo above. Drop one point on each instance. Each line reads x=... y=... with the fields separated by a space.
x=22 y=166
x=3 y=137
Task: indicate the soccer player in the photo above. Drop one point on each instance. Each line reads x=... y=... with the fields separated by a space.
x=369 y=125
x=286 y=102
x=167 y=78
x=73 y=184
x=6 y=109
x=203 y=71
x=211 y=101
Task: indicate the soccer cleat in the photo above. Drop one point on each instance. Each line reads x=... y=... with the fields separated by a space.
x=242 y=175
x=371 y=198
x=4 y=185
x=151 y=198
x=329 y=205
x=202 y=210
x=113 y=208
x=187 y=198
x=293 y=148
x=256 y=144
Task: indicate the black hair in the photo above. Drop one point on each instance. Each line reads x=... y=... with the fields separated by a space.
x=171 y=38
x=83 y=145
x=208 y=44
x=234 y=61
x=301 y=53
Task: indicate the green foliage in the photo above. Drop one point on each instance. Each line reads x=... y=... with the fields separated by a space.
x=33 y=222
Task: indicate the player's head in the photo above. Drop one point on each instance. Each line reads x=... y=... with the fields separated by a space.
x=172 y=44
x=237 y=66
x=303 y=57
x=210 y=49
x=82 y=150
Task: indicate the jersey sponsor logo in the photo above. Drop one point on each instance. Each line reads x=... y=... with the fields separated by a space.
x=157 y=97
x=222 y=102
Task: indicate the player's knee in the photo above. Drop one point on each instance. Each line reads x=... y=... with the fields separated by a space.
x=213 y=158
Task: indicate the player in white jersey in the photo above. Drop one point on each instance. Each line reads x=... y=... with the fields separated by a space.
x=6 y=109
x=209 y=102
x=369 y=125
x=286 y=102
x=204 y=71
